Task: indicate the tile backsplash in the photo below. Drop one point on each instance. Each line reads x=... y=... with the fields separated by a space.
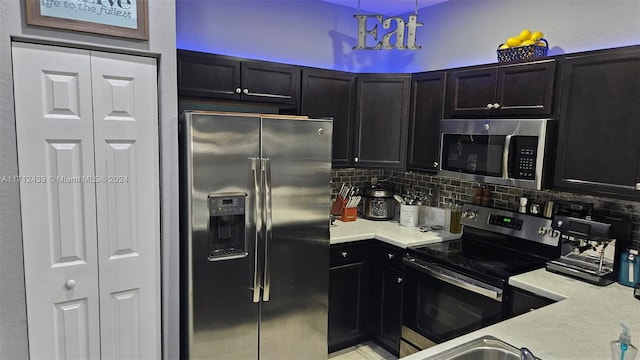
x=443 y=190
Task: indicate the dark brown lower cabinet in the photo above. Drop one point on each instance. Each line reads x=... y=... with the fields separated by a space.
x=386 y=296
x=348 y=295
x=365 y=295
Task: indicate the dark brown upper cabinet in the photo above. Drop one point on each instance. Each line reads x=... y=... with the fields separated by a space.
x=328 y=93
x=382 y=117
x=522 y=89
x=598 y=144
x=427 y=105
x=208 y=76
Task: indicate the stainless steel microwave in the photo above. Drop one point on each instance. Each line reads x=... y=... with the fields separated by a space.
x=514 y=152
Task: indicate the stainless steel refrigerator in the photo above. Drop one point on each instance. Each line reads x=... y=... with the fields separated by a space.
x=255 y=204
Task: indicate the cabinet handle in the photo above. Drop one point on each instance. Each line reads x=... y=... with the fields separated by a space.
x=238 y=90
x=344 y=254
x=637 y=186
x=70 y=284
x=496 y=106
x=435 y=164
x=489 y=106
x=356 y=159
x=390 y=256
x=245 y=91
x=399 y=280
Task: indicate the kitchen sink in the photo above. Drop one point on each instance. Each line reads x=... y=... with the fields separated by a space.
x=483 y=348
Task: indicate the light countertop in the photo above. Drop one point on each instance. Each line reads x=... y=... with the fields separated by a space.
x=580 y=325
x=390 y=232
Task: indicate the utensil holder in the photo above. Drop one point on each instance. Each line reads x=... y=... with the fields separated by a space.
x=409 y=215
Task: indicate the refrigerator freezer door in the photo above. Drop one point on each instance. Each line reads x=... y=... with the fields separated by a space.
x=219 y=152
x=297 y=154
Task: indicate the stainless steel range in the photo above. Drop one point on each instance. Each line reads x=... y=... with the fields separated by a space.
x=458 y=286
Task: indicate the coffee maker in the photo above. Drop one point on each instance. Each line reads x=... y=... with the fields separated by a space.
x=591 y=245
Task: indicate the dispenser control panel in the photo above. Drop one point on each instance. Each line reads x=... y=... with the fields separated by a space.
x=226 y=204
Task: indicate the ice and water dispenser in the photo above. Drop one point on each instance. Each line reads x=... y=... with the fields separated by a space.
x=226 y=229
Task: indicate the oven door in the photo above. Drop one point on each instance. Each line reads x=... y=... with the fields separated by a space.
x=439 y=304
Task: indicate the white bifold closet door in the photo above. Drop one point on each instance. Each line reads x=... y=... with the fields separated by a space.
x=87 y=134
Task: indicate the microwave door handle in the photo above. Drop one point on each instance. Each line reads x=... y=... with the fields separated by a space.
x=505 y=157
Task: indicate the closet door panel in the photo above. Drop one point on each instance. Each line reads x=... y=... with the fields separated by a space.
x=127 y=167
x=54 y=129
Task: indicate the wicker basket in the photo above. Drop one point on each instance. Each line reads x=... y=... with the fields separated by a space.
x=522 y=52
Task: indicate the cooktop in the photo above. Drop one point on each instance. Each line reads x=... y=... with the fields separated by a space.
x=495 y=244
x=479 y=258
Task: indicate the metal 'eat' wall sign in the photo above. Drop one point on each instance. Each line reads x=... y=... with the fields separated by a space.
x=401 y=27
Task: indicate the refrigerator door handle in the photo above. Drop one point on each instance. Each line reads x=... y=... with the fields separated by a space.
x=266 y=169
x=258 y=228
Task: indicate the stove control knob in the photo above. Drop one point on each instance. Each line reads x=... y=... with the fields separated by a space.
x=554 y=233
x=542 y=230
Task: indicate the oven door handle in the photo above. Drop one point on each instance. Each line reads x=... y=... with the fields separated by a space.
x=455 y=280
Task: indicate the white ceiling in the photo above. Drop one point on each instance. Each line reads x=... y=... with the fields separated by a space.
x=386 y=7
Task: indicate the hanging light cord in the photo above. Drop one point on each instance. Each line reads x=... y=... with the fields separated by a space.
x=415 y=9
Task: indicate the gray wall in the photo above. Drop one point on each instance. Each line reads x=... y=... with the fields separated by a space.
x=13 y=326
x=455 y=33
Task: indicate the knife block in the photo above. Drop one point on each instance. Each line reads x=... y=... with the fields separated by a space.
x=349 y=214
x=338 y=206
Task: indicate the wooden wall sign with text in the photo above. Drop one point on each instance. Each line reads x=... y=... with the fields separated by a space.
x=122 y=18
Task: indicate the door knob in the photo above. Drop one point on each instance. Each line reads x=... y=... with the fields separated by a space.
x=390 y=256
x=70 y=284
x=399 y=280
x=344 y=254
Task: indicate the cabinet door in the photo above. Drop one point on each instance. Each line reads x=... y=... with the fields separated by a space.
x=348 y=294
x=270 y=82
x=470 y=91
x=390 y=326
x=598 y=147
x=332 y=94
x=382 y=120
x=347 y=309
x=427 y=105
x=526 y=89
x=523 y=301
x=208 y=76
x=386 y=296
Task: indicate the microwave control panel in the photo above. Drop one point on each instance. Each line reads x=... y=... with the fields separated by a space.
x=526 y=149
